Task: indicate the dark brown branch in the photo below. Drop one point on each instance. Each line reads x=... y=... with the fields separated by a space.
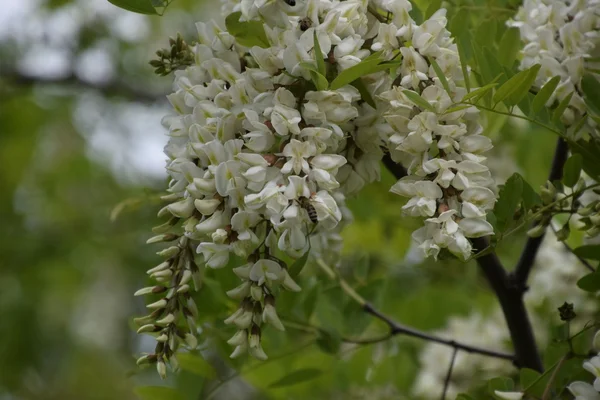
x=509 y=296
x=529 y=253
x=449 y=374
x=399 y=329
x=109 y=89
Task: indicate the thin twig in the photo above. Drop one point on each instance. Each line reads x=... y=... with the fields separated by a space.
x=553 y=376
x=449 y=374
x=399 y=329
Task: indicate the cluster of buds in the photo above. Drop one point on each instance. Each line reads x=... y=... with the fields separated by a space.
x=176 y=57
x=173 y=316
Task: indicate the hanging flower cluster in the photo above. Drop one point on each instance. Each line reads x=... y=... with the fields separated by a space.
x=267 y=143
x=441 y=145
x=561 y=36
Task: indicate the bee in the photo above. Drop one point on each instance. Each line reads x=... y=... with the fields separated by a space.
x=310 y=209
x=290 y=3
x=305 y=23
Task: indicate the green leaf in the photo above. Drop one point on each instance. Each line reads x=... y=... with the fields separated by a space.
x=562 y=106
x=137 y=6
x=591 y=92
x=434 y=5
x=299 y=264
x=591 y=251
x=479 y=92
x=514 y=89
x=572 y=170
x=530 y=197
x=509 y=47
x=590 y=151
x=527 y=377
x=329 y=342
x=247 y=33
x=364 y=92
x=418 y=100
x=318 y=80
x=463 y=65
x=158 y=393
x=440 y=75
x=544 y=94
x=319 y=56
x=501 y=383
x=361 y=268
x=363 y=68
x=590 y=282
x=299 y=376
x=508 y=200
x=195 y=364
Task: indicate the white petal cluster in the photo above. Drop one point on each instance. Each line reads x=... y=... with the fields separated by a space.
x=551 y=284
x=561 y=36
x=260 y=158
x=583 y=390
x=441 y=145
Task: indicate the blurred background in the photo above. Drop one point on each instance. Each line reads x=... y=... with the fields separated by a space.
x=82 y=165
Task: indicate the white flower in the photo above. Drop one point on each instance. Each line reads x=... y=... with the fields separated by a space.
x=266 y=271
x=215 y=255
x=583 y=391
x=509 y=395
x=297 y=152
x=593 y=365
x=424 y=196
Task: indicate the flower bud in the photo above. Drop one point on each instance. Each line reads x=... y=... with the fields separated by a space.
x=167 y=237
x=269 y=315
x=563 y=233
x=241 y=291
x=149 y=328
x=160 y=267
x=169 y=252
x=183 y=288
x=162 y=303
x=536 y=231
x=161 y=368
x=191 y=341
x=146 y=359
x=166 y=320
x=256 y=292
x=596 y=341
x=208 y=206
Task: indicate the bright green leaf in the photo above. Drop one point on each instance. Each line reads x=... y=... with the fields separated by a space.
x=562 y=106
x=299 y=376
x=317 y=79
x=319 y=56
x=479 y=92
x=418 y=100
x=541 y=98
x=509 y=198
x=590 y=282
x=195 y=364
x=572 y=170
x=591 y=92
x=359 y=84
x=247 y=33
x=363 y=68
x=158 y=393
x=137 y=6
x=514 y=89
x=509 y=47
x=440 y=75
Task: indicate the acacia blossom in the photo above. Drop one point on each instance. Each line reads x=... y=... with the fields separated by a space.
x=260 y=160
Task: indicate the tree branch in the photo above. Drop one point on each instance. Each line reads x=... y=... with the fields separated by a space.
x=529 y=253
x=449 y=374
x=109 y=89
x=399 y=329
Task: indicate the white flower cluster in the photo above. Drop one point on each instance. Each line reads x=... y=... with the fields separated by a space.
x=551 y=284
x=262 y=154
x=440 y=145
x=561 y=36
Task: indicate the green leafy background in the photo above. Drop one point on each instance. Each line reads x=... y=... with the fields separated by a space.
x=67 y=270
